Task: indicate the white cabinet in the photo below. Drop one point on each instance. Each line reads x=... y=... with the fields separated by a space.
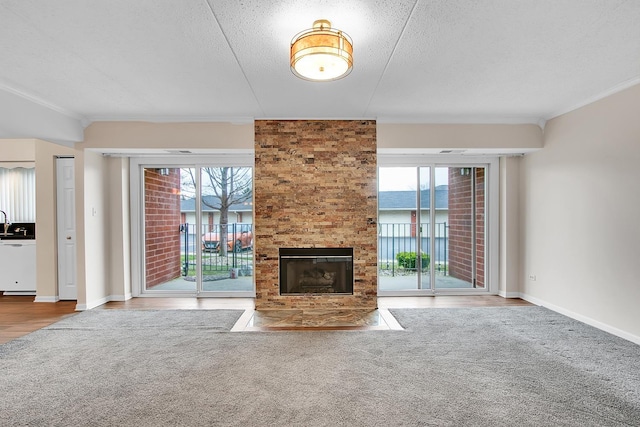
x=18 y=265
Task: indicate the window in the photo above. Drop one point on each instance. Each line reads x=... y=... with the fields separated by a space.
x=18 y=193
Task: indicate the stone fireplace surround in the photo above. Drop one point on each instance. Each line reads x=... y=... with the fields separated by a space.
x=315 y=187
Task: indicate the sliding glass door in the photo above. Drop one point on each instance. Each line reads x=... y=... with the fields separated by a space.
x=439 y=247
x=459 y=260
x=398 y=230
x=226 y=229
x=163 y=250
x=196 y=230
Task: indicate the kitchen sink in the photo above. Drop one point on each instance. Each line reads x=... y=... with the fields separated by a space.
x=12 y=236
x=19 y=231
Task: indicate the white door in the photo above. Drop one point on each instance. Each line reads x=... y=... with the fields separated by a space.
x=66 y=224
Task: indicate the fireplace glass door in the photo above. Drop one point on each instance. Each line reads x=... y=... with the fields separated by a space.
x=316 y=271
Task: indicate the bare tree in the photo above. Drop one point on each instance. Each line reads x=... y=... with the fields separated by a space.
x=229 y=186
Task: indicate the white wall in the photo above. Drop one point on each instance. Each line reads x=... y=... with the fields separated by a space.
x=119 y=229
x=585 y=258
x=138 y=136
x=509 y=278
x=17 y=150
x=488 y=138
x=93 y=230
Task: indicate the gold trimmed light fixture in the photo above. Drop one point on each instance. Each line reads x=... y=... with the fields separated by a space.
x=321 y=53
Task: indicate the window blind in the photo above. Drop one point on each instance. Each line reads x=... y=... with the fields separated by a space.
x=18 y=194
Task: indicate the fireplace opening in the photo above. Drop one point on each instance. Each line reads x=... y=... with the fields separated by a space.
x=316 y=271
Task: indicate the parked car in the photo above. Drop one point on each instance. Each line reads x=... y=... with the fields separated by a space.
x=236 y=242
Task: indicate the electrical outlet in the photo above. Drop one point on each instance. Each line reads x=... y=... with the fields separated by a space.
x=532 y=277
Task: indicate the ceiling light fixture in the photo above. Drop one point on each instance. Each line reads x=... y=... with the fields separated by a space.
x=321 y=53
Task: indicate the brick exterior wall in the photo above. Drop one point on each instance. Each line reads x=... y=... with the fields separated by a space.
x=315 y=186
x=460 y=220
x=162 y=226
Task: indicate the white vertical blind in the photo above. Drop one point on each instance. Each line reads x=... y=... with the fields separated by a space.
x=18 y=194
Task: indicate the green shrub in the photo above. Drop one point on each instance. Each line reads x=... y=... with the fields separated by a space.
x=408 y=260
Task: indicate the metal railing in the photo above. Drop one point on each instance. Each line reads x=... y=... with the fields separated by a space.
x=215 y=260
x=395 y=238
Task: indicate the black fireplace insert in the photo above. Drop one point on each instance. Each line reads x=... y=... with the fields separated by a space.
x=316 y=271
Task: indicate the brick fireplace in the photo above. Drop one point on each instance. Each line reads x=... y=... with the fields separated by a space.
x=315 y=187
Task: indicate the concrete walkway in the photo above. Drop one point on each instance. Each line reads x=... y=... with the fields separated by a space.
x=410 y=282
x=242 y=283
x=245 y=284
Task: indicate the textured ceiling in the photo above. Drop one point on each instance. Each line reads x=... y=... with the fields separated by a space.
x=423 y=61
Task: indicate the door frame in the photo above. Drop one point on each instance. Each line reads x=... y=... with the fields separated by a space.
x=240 y=158
x=492 y=238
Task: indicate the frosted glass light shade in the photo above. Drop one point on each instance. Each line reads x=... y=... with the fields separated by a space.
x=321 y=53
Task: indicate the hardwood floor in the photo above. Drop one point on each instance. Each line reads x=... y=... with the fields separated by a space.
x=449 y=301
x=19 y=315
x=180 y=304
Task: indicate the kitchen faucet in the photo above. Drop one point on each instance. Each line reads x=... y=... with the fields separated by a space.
x=6 y=223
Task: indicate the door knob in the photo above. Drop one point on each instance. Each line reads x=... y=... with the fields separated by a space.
x=68 y=237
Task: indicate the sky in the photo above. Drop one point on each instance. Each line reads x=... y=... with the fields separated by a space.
x=404 y=178
x=390 y=178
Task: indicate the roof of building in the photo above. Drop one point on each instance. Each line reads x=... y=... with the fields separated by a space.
x=387 y=200
x=188 y=205
x=403 y=200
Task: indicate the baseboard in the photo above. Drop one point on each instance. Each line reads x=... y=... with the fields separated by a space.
x=44 y=298
x=101 y=301
x=584 y=319
x=22 y=293
x=504 y=294
x=92 y=304
x=120 y=297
